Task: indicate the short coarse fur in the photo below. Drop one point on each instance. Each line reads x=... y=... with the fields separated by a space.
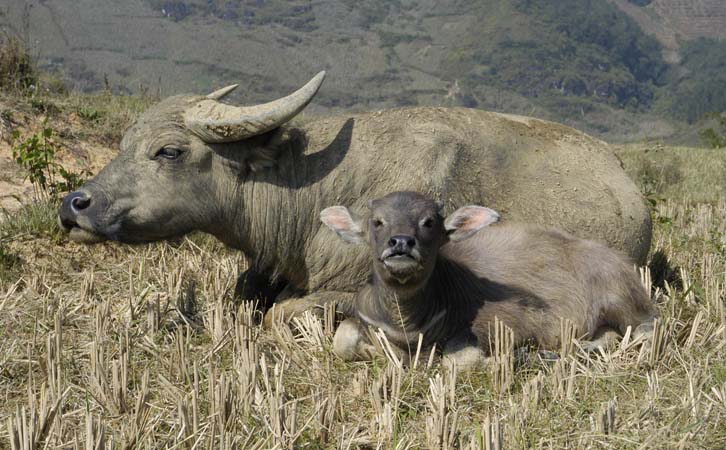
x=527 y=276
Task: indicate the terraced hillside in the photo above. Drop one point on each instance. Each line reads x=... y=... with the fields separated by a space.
x=672 y=21
x=694 y=18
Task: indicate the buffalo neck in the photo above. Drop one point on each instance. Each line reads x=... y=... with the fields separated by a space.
x=272 y=217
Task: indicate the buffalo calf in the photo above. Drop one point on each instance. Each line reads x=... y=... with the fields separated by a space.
x=443 y=278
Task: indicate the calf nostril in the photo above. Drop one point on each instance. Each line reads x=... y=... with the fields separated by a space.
x=80 y=202
x=403 y=241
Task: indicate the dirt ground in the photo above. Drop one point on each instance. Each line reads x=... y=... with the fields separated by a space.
x=76 y=150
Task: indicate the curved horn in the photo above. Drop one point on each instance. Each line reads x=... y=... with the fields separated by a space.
x=219 y=94
x=216 y=122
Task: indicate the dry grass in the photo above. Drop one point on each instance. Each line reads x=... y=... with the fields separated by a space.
x=677 y=173
x=17 y=70
x=141 y=347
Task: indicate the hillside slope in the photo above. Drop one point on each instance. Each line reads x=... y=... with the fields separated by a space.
x=581 y=62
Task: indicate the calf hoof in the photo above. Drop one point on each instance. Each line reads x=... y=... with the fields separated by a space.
x=467 y=358
x=547 y=356
x=605 y=339
x=524 y=357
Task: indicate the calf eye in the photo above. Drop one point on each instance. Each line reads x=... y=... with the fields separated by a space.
x=168 y=153
x=377 y=223
x=427 y=223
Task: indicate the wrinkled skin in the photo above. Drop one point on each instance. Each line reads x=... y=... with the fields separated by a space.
x=262 y=195
x=443 y=279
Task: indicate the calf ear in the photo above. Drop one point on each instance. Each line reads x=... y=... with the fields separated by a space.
x=339 y=219
x=467 y=220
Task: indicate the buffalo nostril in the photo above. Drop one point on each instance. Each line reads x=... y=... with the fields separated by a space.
x=80 y=202
x=410 y=242
x=392 y=242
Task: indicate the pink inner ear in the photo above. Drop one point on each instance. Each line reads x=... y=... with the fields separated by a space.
x=338 y=222
x=472 y=218
x=470 y=223
x=337 y=218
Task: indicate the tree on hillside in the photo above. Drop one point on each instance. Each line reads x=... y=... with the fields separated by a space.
x=715 y=137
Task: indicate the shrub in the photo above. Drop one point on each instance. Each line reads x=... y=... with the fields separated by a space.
x=17 y=71
x=715 y=137
x=36 y=155
x=700 y=91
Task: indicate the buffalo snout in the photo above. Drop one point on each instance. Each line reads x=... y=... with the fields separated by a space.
x=72 y=205
x=75 y=213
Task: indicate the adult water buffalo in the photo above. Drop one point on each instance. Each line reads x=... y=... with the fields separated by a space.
x=258 y=183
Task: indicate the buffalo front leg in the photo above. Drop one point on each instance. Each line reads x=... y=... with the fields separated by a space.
x=287 y=306
x=253 y=284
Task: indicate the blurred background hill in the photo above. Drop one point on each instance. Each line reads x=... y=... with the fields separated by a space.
x=621 y=69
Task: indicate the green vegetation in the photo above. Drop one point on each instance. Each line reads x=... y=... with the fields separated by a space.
x=700 y=90
x=583 y=48
x=715 y=137
x=641 y=2
x=105 y=116
x=36 y=155
x=373 y=12
x=37 y=218
x=295 y=15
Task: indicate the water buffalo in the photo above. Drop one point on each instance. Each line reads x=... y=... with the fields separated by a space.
x=446 y=280
x=257 y=180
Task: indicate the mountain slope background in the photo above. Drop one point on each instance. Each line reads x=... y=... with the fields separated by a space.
x=620 y=69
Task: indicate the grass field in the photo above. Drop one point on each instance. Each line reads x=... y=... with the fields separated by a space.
x=114 y=346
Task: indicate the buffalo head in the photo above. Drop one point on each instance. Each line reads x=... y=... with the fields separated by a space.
x=168 y=178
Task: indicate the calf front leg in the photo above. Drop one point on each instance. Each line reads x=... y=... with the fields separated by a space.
x=351 y=343
x=288 y=305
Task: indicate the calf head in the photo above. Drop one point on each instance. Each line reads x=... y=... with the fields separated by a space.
x=405 y=232
x=177 y=166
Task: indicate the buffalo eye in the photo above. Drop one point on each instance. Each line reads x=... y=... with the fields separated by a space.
x=377 y=223
x=427 y=223
x=168 y=153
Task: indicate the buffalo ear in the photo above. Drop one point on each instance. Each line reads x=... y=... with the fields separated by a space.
x=467 y=220
x=339 y=219
x=262 y=158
